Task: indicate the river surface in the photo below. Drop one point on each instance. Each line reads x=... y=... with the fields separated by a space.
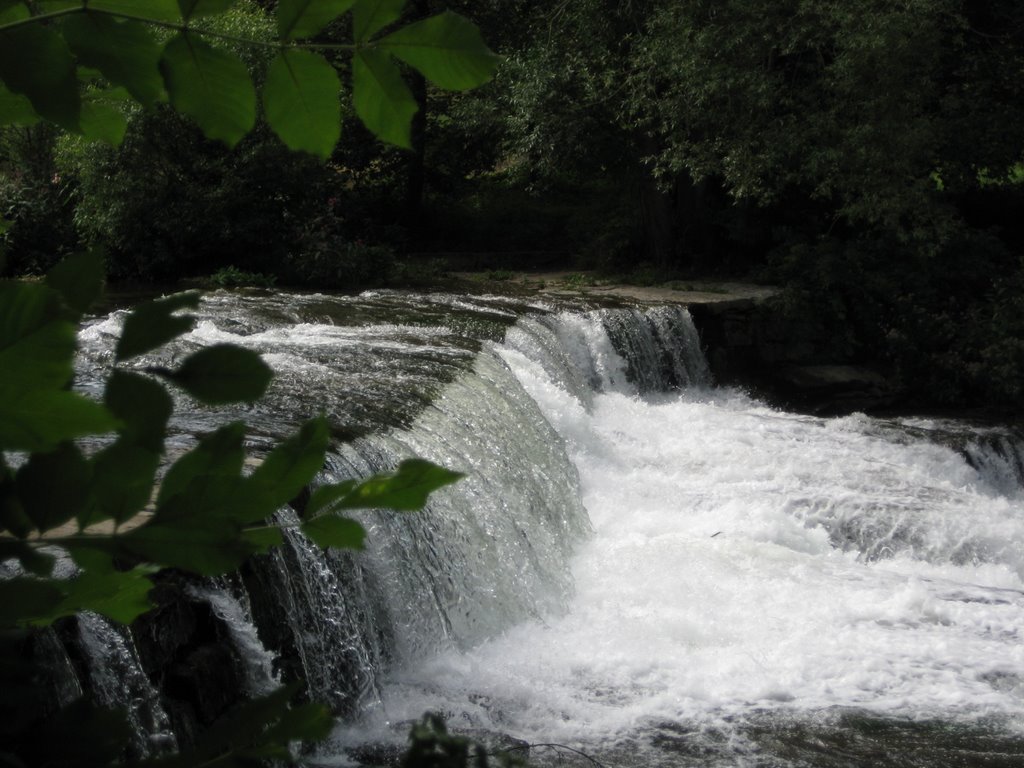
x=645 y=567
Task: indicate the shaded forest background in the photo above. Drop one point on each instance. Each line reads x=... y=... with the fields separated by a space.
x=865 y=155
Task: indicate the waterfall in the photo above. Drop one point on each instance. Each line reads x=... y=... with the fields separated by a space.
x=116 y=680
x=637 y=563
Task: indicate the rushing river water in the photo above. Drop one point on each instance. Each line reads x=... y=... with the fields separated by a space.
x=639 y=565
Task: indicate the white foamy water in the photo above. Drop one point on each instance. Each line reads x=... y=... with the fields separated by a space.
x=747 y=563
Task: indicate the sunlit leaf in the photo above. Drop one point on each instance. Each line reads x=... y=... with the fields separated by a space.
x=371 y=16
x=223 y=373
x=304 y=18
x=154 y=323
x=448 y=49
x=300 y=101
x=332 y=531
x=406 y=489
x=124 y=51
x=324 y=496
x=210 y=85
x=35 y=61
x=79 y=279
x=101 y=122
x=381 y=98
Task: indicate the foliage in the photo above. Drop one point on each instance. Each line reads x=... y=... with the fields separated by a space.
x=432 y=746
x=92 y=541
x=36 y=200
x=325 y=255
x=211 y=84
x=246 y=79
x=111 y=516
x=232 y=277
x=198 y=207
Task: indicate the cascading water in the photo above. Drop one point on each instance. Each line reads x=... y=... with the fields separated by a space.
x=761 y=588
x=637 y=564
x=116 y=680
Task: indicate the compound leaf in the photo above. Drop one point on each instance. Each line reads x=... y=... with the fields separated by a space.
x=210 y=85
x=448 y=49
x=300 y=101
x=304 y=18
x=381 y=98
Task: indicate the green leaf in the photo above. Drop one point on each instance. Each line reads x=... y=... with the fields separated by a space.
x=142 y=405
x=101 y=122
x=324 y=496
x=13 y=10
x=381 y=98
x=291 y=466
x=52 y=6
x=118 y=595
x=263 y=539
x=371 y=16
x=35 y=62
x=211 y=86
x=16 y=109
x=209 y=546
x=123 y=475
x=37 y=341
x=54 y=486
x=223 y=373
x=304 y=18
x=39 y=421
x=121 y=596
x=124 y=51
x=192 y=8
x=26 y=600
x=300 y=101
x=407 y=489
x=79 y=279
x=160 y=10
x=153 y=324
x=331 y=531
x=217 y=457
x=447 y=49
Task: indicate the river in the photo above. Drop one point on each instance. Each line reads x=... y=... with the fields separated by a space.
x=640 y=565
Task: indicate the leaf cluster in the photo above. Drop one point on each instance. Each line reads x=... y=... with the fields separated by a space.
x=108 y=511
x=76 y=63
